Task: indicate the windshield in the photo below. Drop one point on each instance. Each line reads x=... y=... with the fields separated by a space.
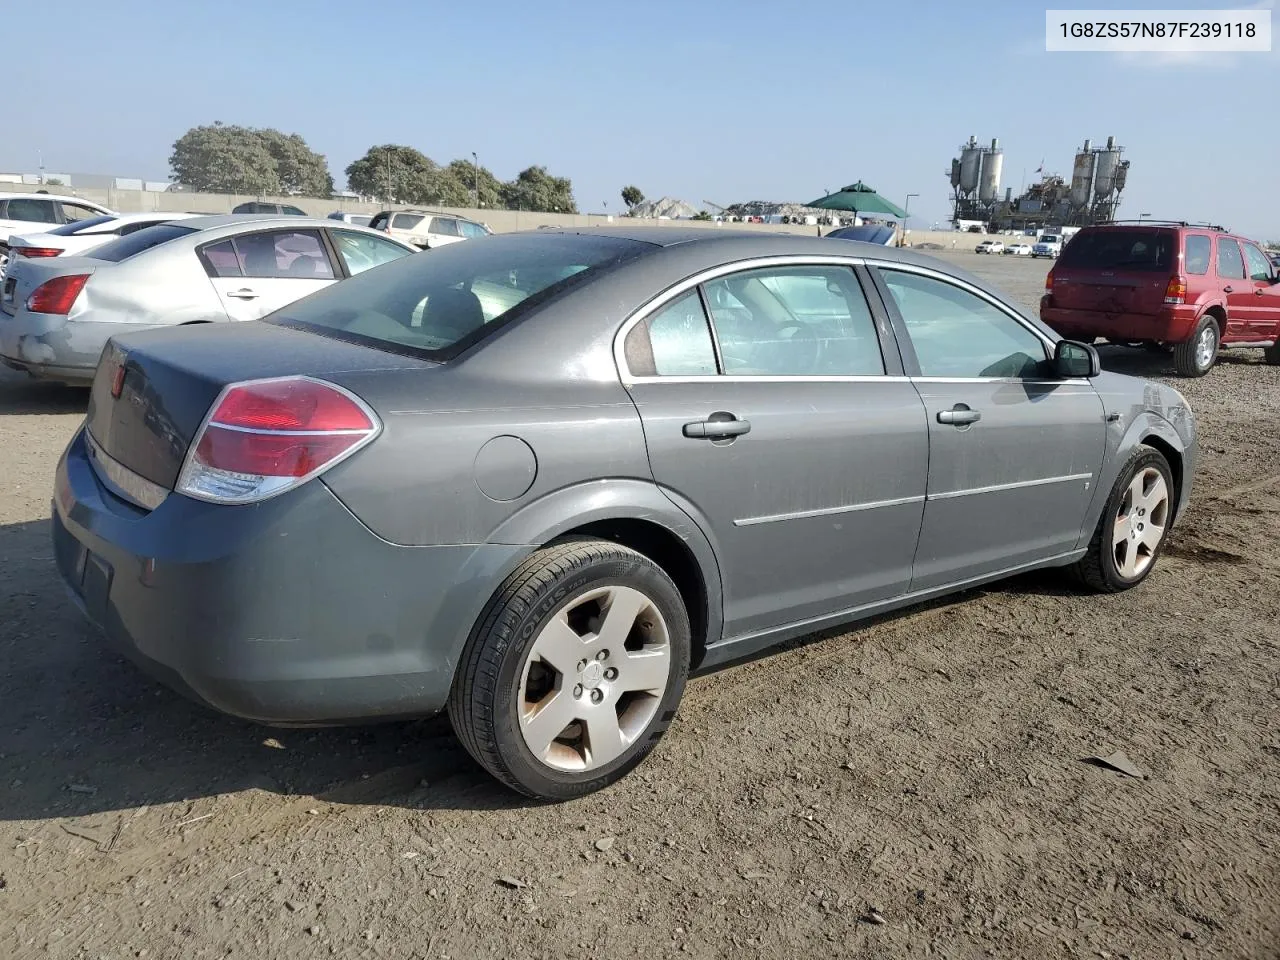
x=1049 y=238
x=1148 y=250
x=439 y=303
x=75 y=226
x=134 y=243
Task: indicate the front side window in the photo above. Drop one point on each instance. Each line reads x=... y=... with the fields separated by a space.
x=360 y=251
x=794 y=321
x=32 y=210
x=673 y=342
x=1259 y=266
x=1230 y=263
x=957 y=334
x=1196 y=259
x=71 y=212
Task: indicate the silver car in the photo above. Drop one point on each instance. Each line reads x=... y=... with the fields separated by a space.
x=57 y=313
x=538 y=478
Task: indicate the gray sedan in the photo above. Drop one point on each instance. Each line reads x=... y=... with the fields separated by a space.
x=57 y=313
x=536 y=479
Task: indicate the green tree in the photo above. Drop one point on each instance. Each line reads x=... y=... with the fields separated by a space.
x=395 y=173
x=631 y=196
x=458 y=188
x=299 y=168
x=536 y=189
x=222 y=158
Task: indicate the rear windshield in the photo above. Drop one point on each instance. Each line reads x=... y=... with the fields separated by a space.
x=1149 y=250
x=135 y=243
x=437 y=304
x=75 y=226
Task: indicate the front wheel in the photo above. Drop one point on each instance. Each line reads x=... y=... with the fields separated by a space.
x=1131 y=531
x=574 y=671
x=1194 y=357
x=1272 y=354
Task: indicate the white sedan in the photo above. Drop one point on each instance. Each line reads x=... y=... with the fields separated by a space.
x=82 y=236
x=1018 y=250
x=989 y=246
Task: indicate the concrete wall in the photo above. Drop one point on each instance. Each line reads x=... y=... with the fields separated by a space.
x=500 y=221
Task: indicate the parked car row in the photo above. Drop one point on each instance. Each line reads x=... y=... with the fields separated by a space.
x=40 y=212
x=1192 y=290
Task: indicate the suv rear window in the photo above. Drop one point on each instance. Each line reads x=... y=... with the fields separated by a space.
x=135 y=243
x=437 y=306
x=1140 y=250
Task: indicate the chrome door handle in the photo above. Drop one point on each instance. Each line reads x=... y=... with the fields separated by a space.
x=959 y=416
x=717 y=427
x=243 y=294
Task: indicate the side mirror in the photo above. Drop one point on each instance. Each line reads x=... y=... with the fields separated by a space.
x=1074 y=359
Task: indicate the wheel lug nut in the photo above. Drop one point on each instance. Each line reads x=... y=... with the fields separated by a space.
x=611 y=674
x=577 y=692
x=602 y=655
x=597 y=696
x=582 y=665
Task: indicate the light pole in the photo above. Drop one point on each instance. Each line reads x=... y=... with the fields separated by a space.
x=475 y=161
x=906 y=215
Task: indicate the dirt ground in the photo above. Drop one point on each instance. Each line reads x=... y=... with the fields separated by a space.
x=928 y=766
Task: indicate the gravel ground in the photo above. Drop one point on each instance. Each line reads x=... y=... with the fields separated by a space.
x=927 y=765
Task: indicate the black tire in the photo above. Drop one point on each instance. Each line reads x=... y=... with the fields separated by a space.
x=483 y=704
x=1186 y=359
x=1097 y=569
x=1272 y=354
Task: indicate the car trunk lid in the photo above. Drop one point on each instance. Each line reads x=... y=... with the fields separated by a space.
x=153 y=390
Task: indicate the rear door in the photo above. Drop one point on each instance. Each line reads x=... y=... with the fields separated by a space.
x=1263 y=319
x=790 y=432
x=21 y=211
x=257 y=273
x=1013 y=455
x=1237 y=289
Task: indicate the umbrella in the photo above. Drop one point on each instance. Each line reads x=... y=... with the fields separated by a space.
x=858 y=198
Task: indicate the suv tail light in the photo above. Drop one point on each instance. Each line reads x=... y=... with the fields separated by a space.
x=1176 y=290
x=36 y=251
x=57 y=295
x=1048 y=282
x=264 y=437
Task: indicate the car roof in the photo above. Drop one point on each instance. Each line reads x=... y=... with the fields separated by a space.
x=23 y=195
x=269 y=219
x=421 y=212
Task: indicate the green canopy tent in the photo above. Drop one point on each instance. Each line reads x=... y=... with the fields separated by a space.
x=859 y=198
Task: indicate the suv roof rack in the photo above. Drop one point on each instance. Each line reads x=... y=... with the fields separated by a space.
x=1164 y=223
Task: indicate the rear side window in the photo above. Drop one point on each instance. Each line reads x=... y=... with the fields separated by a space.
x=1199 y=250
x=125 y=247
x=293 y=211
x=436 y=306
x=281 y=255
x=32 y=210
x=405 y=221
x=1259 y=266
x=1134 y=250
x=445 y=227
x=674 y=342
x=1230 y=263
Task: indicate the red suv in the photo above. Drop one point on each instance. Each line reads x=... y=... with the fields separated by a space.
x=1186 y=288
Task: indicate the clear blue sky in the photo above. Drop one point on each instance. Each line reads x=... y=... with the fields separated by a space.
x=722 y=102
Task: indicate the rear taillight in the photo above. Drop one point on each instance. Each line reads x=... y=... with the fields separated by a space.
x=1176 y=290
x=35 y=251
x=264 y=437
x=57 y=295
x=1048 y=282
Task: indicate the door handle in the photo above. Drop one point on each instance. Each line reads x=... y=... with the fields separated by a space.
x=1258 y=292
x=1228 y=289
x=717 y=427
x=959 y=416
x=243 y=294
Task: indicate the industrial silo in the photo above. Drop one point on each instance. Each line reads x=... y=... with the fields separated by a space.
x=955 y=172
x=970 y=166
x=1104 y=178
x=992 y=165
x=1082 y=177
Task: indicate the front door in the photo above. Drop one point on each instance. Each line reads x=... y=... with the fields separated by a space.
x=1263 y=318
x=257 y=273
x=1014 y=455
x=785 y=436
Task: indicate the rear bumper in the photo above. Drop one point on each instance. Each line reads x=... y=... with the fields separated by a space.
x=287 y=612
x=69 y=352
x=1171 y=325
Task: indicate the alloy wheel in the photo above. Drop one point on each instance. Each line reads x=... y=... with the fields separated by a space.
x=1140 y=523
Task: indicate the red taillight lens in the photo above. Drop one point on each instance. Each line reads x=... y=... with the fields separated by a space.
x=265 y=437
x=1048 y=282
x=57 y=295
x=35 y=251
x=1176 y=290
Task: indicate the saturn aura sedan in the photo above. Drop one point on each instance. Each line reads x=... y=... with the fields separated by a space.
x=536 y=479
x=57 y=313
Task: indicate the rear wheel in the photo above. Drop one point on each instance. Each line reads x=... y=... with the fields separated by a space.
x=1194 y=357
x=1132 y=529
x=574 y=671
